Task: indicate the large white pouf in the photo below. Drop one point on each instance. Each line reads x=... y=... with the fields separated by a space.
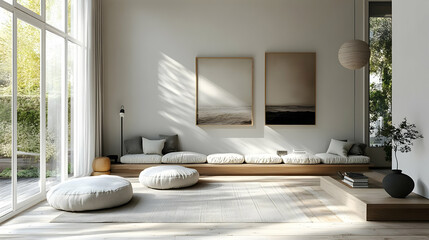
x=90 y=193
x=167 y=177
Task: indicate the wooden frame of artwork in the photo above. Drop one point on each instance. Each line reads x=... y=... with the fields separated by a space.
x=224 y=91
x=290 y=88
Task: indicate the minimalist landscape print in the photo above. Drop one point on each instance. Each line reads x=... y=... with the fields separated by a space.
x=290 y=88
x=224 y=91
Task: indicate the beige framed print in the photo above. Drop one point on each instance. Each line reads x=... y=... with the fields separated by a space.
x=290 y=88
x=224 y=91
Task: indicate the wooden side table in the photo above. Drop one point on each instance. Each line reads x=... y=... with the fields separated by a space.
x=101 y=166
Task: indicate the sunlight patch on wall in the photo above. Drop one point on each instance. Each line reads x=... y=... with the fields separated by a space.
x=176 y=86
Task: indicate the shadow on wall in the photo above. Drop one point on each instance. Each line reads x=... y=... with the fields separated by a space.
x=176 y=86
x=421 y=188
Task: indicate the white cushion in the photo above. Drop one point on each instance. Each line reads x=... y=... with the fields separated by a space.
x=300 y=159
x=90 y=193
x=225 y=158
x=328 y=158
x=358 y=159
x=153 y=146
x=340 y=148
x=184 y=157
x=166 y=177
x=141 y=158
x=262 y=158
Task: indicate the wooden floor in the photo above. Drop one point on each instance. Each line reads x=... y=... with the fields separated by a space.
x=35 y=224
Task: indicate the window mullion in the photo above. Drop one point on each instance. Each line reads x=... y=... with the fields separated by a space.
x=55 y=31
x=14 y=115
x=64 y=122
x=29 y=12
x=43 y=10
x=43 y=112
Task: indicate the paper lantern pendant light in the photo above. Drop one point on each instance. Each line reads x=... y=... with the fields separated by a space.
x=354 y=54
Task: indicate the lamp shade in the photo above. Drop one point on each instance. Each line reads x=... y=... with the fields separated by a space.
x=354 y=54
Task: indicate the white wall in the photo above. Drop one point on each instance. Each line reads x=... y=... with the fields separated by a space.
x=411 y=83
x=149 y=51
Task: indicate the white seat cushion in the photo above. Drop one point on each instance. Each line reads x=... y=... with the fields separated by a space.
x=262 y=158
x=300 y=159
x=184 y=157
x=167 y=177
x=328 y=158
x=358 y=159
x=141 y=158
x=225 y=158
x=90 y=193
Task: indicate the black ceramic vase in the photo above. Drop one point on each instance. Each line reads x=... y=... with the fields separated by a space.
x=397 y=184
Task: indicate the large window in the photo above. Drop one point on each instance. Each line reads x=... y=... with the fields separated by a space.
x=41 y=58
x=380 y=71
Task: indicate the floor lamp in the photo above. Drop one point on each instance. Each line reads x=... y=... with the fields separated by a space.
x=122 y=115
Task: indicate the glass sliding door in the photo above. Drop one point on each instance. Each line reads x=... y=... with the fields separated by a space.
x=42 y=60
x=28 y=110
x=6 y=80
x=55 y=64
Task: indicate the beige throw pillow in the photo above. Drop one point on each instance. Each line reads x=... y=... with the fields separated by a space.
x=340 y=148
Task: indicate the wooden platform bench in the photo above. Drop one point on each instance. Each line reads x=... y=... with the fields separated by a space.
x=133 y=170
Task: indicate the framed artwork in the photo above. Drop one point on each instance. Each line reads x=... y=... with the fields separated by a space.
x=290 y=88
x=224 y=91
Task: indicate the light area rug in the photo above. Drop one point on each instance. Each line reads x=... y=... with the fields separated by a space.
x=215 y=202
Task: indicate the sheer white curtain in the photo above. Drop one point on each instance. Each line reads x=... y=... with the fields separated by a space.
x=88 y=93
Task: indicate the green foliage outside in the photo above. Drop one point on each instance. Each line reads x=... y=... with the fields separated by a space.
x=28 y=90
x=380 y=97
x=31 y=172
x=33 y=5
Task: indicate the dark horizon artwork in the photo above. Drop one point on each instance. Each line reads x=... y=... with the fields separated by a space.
x=290 y=94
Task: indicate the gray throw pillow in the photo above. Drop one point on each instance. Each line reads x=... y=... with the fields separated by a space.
x=133 y=146
x=357 y=149
x=338 y=147
x=171 y=143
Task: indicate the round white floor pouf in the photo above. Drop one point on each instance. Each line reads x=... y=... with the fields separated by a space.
x=167 y=177
x=90 y=193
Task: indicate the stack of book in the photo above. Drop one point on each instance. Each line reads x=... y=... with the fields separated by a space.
x=355 y=180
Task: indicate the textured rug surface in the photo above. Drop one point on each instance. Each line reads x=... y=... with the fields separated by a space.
x=216 y=202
